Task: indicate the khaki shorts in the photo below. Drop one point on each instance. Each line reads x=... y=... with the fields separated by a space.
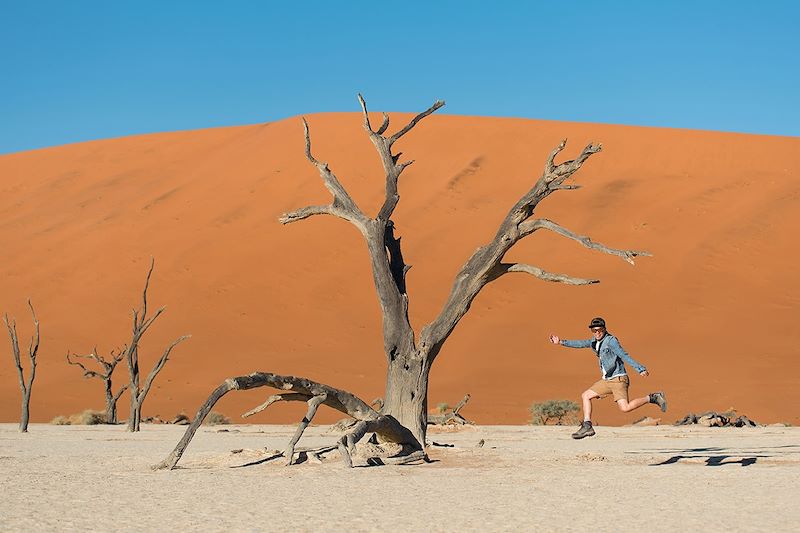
x=617 y=386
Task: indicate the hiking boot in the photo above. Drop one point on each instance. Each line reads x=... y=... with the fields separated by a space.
x=586 y=430
x=660 y=400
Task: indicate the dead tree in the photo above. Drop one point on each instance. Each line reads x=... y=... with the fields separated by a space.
x=141 y=323
x=453 y=417
x=410 y=356
x=108 y=369
x=33 y=350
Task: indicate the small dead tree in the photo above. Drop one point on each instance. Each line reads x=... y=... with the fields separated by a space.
x=108 y=367
x=33 y=350
x=141 y=323
x=445 y=418
x=409 y=355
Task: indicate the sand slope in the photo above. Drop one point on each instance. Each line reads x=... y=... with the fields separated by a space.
x=712 y=314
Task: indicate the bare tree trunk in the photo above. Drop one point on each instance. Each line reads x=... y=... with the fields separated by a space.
x=111 y=407
x=33 y=351
x=25 y=411
x=407 y=393
x=135 y=415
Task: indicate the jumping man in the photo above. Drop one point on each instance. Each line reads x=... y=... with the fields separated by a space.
x=612 y=358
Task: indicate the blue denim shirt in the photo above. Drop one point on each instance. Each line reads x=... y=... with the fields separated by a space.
x=611 y=356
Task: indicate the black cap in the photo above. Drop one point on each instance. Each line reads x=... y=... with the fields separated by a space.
x=597 y=322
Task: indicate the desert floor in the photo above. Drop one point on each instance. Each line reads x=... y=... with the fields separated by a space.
x=524 y=478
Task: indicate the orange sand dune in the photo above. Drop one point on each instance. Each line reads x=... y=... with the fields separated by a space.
x=712 y=313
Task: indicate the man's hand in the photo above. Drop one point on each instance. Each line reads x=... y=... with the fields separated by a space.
x=554 y=339
x=644 y=373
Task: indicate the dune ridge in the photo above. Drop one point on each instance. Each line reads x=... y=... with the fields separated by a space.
x=711 y=313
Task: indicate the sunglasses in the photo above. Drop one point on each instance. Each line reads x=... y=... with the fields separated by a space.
x=597 y=330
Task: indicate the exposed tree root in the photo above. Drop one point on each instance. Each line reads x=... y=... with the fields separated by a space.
x=315 y=394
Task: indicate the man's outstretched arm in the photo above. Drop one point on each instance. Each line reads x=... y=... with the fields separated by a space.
x=555 y=339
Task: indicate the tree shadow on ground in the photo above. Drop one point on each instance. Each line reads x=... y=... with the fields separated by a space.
x=712 y=460
x=260 y=461
x=721 y=456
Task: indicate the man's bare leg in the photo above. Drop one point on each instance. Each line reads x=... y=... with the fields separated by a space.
x=587 y=397
x=627 y=406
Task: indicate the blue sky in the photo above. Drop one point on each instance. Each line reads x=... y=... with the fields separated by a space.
x=80 y=70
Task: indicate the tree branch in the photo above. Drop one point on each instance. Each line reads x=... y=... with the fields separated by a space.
x=341 y=199
x=542 y=274
x=556 y=174
x=144 y=292
x=11 y=325
x=33 y=349
x=384 y=124
x=415 y=120
x=460 y=405
x=367 y=126
x=313 y=404
x=158 y=366
x=310 y=211
x=542 y=223
x=145 y=324
x=289 y=397
x=549 y=166
x=86 y=372
x=119 y=393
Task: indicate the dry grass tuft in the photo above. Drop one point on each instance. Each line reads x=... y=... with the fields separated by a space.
x=87 y=418
x=557 y=411
x=216 y=419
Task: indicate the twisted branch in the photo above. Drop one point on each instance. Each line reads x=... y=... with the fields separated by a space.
x=86 y=372
x=301 y=389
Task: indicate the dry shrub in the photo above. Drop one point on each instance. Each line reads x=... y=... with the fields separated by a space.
x=181 y=419
x=60 y=421
x=216 y=419
x=557 y=411
x=88 y=418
